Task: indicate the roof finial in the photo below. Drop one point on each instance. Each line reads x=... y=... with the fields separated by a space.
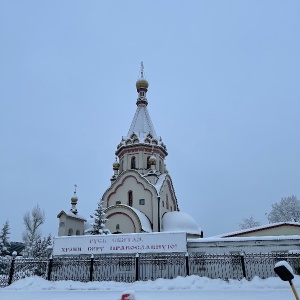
x=142 y=70
x=75 y=187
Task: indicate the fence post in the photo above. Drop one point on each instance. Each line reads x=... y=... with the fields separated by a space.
x=12 y=268
x=242 y=256
x=187 y=265
x=137 y=267
x=50 y=262
x=92 y=267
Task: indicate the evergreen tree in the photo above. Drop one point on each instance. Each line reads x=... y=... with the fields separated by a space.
x=99 y=216
x=4 y=239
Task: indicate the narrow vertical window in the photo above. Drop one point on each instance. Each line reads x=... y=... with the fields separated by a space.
x=130 y=198
x=148 y=162
x=167 y=202
x=133 y=163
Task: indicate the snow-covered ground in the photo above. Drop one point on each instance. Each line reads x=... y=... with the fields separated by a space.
x=188 y=288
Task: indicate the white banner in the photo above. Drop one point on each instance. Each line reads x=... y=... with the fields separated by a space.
x=121 y=243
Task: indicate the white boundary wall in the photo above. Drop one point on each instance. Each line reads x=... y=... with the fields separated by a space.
x=162 y=242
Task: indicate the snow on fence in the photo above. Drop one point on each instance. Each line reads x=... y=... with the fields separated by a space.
x=145 y=266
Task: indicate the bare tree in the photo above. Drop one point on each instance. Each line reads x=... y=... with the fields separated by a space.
x=249 y=223
x=286 y=210
x=32 y=221
x=40 y=247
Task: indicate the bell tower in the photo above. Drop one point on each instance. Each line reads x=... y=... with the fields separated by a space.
x=142 y=150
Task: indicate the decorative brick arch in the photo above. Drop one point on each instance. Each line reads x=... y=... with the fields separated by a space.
x=121 y=184
x=122 y=213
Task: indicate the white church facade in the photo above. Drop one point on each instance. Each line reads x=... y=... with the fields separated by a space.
x=141 y=197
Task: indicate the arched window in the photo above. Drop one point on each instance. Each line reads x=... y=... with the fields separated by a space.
x=160 y=168
x=167 y=202
x=133 y=166
x=117 y=229
x=70 y=231
x=130 y=198
x=148 y=162
x=77 y=232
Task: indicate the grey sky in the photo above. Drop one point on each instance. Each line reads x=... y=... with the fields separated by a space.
x=223 y=94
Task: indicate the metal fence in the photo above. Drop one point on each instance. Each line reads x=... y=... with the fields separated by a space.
x=130 y=268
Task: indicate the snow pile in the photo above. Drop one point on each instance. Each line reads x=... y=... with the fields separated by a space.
x=180 y=283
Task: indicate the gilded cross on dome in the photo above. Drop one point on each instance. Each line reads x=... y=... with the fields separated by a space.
x=142 y=70
x=75 y=187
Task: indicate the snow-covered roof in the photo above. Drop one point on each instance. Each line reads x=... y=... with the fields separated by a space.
x=159 y=182
x=179 y=221
x=142 y=131
x=221 y=240
x=146 y=226
x=258 y=228
x=141 y=124
x=69 y=213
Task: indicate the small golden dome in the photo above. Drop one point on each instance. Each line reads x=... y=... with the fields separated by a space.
x=142 y=83
x=116 y=165
x=152 y=160
x=74 y=199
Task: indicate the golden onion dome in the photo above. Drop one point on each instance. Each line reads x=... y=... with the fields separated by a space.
x=142 y=83
x=152 y=160
x=74 y=199
x=116 y=165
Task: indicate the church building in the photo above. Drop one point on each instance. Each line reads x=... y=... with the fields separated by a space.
x=141 y=196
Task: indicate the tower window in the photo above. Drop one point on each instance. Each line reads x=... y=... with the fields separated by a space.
x=130 y=198
x=163 y=203
x=142 y=201
x=118 y=202
x=133 y=166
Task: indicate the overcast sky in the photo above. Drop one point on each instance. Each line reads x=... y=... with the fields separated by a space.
x=223 y=94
